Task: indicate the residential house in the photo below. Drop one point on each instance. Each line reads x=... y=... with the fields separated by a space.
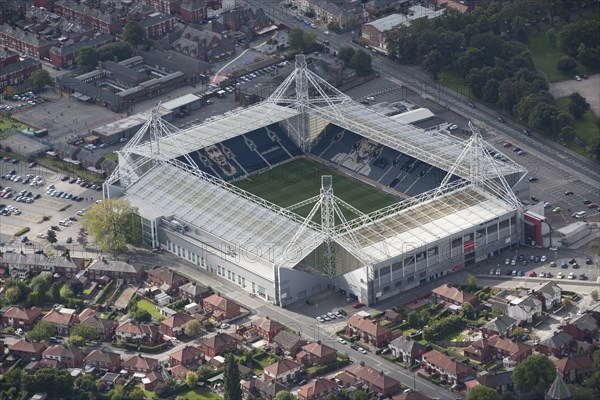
x=63 y=319
x=25 y=42
x=267 y=328
x=110 y=380
x=408 y=350
x=151 y=380
x=218 y=344
x=289 y=343
x=21 y=317
x=105 y=21
x=194 y=292
x=103 y=360
x=376 y=381
x=549 y=294
x=451 y=295
x=262 y=389
x=376 y=8
x=17 y=73
x=38 y=263
x=557 y=345
x=134 y=332
x=157 y=25
x=140 y=363
x=221 y=308
x=317 y=354
x=179 y=372
x=583 y=327
x=501 y=326
x=496 y=348
x=115 y=270
x=67 y=356
x=164 y=6
x=317 y=389
x=174 y=325
x=193 y=11
x=190 y=357
x=525 y=309
x=369 y=331
x=392 y=316
x=165 y=279
x=461 y=7
x=103 y=327
x=446 y=367
x=203 y=44
x=245 y=24
x=66 y=55
x=501 y=382
x=411 y=395
x=346 y=15
x=575 y=369
x=283 y=371
x=28 y=350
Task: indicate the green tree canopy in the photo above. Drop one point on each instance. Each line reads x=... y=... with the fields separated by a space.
x=133 y=33
x=284 y=395
x=51 y=236
x=361 y=62
x=58 y=383
x=87 y=332
x=192 y=328
x=87 y=58
x=578 y=105
x=537 y=372
x=231 y=379
x=43 y=330
x=112 y=224
x=140 y=315
x=191 y=378
x=299 y=39
x=40 y=79
x=9 y=91
x=481 y=392
x=345 y=53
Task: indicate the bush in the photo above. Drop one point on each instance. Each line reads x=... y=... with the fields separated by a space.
x=22 y=231
x=103 y=293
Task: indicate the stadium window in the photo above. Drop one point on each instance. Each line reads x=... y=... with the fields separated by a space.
x=504 y=224
x=420 y=256
x=243 y=282
x=228 y=274
x=386 y=289
x=410 y=279
x=202 y=261
x=178 y=251
x=233 y=276
x=189 y=255
x=194 y=257
x=399 y=284
x=468 y=237
x=384 y=270
x=397 y=266
x=239 y=280
x=457 y=242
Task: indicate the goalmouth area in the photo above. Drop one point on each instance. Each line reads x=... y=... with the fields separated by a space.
x=300 y=179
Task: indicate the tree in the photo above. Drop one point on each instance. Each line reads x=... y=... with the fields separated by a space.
x=58 y=383
x=43 y=330
x=567 y=133
x=82 y=237
x=76 y=286
x=55 y=292
x=133 y=33
x=136 y=394
x=361 y=62
x=87 y=332
x=76 y=340
x=518 y=331
x=112 y=224
x=192 y=328
x=231 y=379
x=359 y=395
x=118 y=50
x=471 y=281
x=51 y=236
x=300 y=40
x=284 y=395
x=535 y=373
x=87 y=58
x=578 y=105
x=40 y=283
x=12 y=295
x=40 y=79
x=566 y=64
x=191 y=378
x=9 y=91
x=86 y=384
x=140 y=315
x=468 y=310
x=433 y=63
x=481 y=392
x=345 y=53
x=594 y=295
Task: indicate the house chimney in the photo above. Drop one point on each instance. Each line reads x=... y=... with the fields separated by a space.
x=381 y=373
x=318 y=342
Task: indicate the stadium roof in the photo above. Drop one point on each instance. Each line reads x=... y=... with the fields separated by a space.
x=226 y=213
x=216 y=130
x=393 y=234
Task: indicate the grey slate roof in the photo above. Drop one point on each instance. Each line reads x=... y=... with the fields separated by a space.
x=500 y=324
x=557 y=341
x=585 y=322
x=406 y=344
x=559 y=390
x=11 y=68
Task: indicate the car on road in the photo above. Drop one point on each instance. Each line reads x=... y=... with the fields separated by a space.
x=363 y=351
x=569 y=193
x=500 y=119
x=358 y=305
x=354 y=347
x=309 y=303
x=69 y=240
x=224 y=326
x=535 y=198
x=553 y=248
x=340 y=340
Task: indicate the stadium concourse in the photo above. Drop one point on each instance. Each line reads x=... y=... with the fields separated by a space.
x=251 y=196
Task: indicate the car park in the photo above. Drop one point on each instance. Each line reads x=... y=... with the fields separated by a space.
x=537 y=259
x=543 y=259
x=513 y=262
x=588 y=261
x=498 y=272
x=560 y=275
x=571 y=276
x=564 y=265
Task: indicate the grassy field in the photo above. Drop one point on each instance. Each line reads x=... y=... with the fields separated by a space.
x=301 y=179
x=586 y=127
x=545 y=57
x=151 y=308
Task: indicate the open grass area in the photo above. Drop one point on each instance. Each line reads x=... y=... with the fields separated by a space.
x=301 y=179
x=545 y=57
x=586 y=127
x=151 y=308
x=111 y=156
x=454 y=82
x=199 y=394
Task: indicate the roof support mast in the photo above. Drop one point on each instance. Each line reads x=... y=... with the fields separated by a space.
x=328 y=223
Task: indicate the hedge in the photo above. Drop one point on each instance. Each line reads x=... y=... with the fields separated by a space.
x=318 y=371
x=103 y=292
x=22 y=231
x=140 y=347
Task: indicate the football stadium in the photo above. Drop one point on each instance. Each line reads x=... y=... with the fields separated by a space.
x=311 y=191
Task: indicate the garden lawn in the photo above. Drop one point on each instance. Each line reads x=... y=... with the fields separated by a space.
x=199 y=394
x=151 y=308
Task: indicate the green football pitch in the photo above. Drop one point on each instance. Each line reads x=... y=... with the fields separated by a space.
x=300 y=179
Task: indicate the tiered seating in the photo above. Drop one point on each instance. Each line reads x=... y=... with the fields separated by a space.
x=331 y=135
x=285 y=141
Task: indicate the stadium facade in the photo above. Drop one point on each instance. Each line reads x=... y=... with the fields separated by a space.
x=456 y=205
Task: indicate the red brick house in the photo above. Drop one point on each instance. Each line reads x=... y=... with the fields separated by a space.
x=174 y=325
x=283 y=371
x=164 y=6
x=267 y=328
x=583 y=327
x=445 y=367
x=104 y=327
x=20 y=317
x=288 y=343
x=17 y=73
x=25 y=42
x=193 y=292
x=316 y=354
x=156 y=26
x=576 y=368
x=115 y=270
x=179 y=372
x=189 y=357
x=133 y=332
x=317 y=389
x=557 y=345
x=165 y=279
x=103 y=21
x=368 y=330
x=376 y=381
x=66 y=356
x=140 y=363
x=410 y=351
x=486 y=350
x=451 y=295
x=66 y=56
x=220 y=308
x=103 y=360
x=218 y=344
x=192 y=11
x=27 y=350
x=63 y=320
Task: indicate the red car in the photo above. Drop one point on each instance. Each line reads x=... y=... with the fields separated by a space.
x=532 y=274
x=592 y=205
x=358 y=305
